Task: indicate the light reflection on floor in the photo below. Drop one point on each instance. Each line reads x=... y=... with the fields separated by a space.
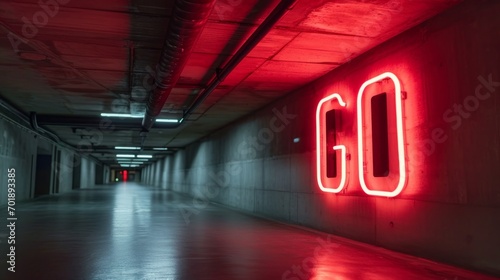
x=128 y=231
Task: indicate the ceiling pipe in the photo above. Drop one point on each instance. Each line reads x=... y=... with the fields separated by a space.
x=96 y=122
x=15 y=115
x=281 y=9
x=185 y=27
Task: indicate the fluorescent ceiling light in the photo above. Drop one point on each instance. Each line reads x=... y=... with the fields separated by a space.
x=138 y=160
x=125 y=156
x=145 y=156
x=167 y=120
x=127 y=148
x=160 y=149
x=134 y=163
x=113 y=115
x=125 y=165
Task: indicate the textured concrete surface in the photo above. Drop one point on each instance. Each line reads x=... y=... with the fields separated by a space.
x=18 y=150
x=450 y=207
x=65 y=170
x=128 y=231
x=88 y=176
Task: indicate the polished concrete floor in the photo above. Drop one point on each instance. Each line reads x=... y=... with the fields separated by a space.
x=128 y=231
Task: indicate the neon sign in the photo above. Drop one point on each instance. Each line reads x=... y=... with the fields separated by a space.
x=326 y=183
x=396 y=173
x=380 y=139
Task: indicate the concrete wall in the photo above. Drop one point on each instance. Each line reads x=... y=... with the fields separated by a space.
x=107 y=175
x=17 y=151
x=152 y=175
x=65 y=170
x=450 y=207
x=88 y=173
x=19 y=147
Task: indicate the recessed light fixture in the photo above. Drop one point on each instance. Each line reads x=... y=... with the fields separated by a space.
x=127 y=148
x=131 y=162
x=144 y=156
x=167 y=120
x=125 y=156
x=113 y=115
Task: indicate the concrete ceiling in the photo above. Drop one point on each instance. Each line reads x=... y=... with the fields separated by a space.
x=72 y=60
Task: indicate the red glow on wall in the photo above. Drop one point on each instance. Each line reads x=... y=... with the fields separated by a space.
x=331 y=166
x=381 y=156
